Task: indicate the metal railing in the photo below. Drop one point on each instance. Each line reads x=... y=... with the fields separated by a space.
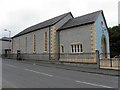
x=109 y=62
x=70 y=57
x=78 y=57
x=112 y=62
x=63 y=57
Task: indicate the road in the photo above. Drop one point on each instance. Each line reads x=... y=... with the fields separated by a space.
x=22 y=75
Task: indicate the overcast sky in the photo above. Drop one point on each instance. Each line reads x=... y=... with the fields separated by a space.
x=16 y=15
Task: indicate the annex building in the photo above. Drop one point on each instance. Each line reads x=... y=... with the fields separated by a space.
x=5 y=46
x=65 y=38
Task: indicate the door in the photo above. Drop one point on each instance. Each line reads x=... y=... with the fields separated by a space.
x=104 y=47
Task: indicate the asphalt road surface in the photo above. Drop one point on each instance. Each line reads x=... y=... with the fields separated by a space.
x=22 y=75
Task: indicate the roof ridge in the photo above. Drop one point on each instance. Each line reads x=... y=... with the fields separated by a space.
x=53 y=18
x=81 y=20
x=42 y=24
x=89 y=13
x=46 y=20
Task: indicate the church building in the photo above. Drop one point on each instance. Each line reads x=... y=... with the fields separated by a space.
x=64 y=35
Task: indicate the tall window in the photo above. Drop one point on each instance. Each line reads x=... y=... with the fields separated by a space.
x=19 y=43
x=12 y=46
x=81 y=47
x=62 y=48
x=34 y=43
x=26 y=44
x=45 y=41
x=76 y=48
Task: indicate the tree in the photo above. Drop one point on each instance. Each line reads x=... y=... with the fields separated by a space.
x=114 y=34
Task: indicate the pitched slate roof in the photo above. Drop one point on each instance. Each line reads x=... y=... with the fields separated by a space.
x=82 y=20
x=44 y=24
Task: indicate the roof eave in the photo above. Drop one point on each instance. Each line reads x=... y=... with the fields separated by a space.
x=42 y=27
x=31 y=31
x=76 y=26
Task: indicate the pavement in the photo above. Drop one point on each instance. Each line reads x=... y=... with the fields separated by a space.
x=114 y=68
x=23 y=74
x=75 y=67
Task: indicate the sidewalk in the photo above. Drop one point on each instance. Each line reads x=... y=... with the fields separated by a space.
x=115 y=68
x=74 y=67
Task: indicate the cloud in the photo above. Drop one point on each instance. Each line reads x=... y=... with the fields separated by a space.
x=20 y=14
x=119 y=13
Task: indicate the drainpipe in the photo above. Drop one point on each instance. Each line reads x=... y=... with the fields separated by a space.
x=58 y=45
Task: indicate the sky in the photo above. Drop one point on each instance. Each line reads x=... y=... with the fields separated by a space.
x=119 y=13
x=17 y=15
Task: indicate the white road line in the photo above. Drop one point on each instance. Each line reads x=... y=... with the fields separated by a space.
x=10 y=65
x=93 y=84
x=39 y=72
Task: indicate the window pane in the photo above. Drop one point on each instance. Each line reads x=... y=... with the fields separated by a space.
x=81 y=48
x=62 y=47
x=34 y=43
x=72 y=48
x=78 y=48
x=26 y=44
x=75 y=48
x=45 y=41
x=19 y=43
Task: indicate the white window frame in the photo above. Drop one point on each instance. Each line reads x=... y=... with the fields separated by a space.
x=76 y=48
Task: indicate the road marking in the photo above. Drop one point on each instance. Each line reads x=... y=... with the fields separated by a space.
x=10 y=65
x=93 y=84
x=39 y=72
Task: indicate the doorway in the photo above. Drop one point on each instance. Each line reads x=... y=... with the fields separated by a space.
x=7 y=52
x=104 y=47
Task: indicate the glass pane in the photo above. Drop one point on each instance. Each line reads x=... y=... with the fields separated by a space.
x=72 y=48
x=78 y=48
x=81 y=48
x=75 y=48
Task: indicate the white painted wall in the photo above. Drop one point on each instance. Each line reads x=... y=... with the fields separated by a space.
x=4 y=45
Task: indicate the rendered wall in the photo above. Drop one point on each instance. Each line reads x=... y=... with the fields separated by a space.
x=79 y=34
x=39 y=34
x=99 y=32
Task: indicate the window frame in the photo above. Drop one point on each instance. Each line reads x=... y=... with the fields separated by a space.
x=62 y=48
x=77 y=48
x=34 y=43
x=26 y=44
x=45 y=41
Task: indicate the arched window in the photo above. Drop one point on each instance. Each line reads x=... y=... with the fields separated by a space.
x=102 y=24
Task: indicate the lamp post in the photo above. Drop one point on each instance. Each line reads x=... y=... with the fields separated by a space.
x=9 y=39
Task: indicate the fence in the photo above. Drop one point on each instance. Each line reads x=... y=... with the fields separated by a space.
x=78 y=57
x=94 y=58
x=113 y=63
x=62 y=57
x=24 y=56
